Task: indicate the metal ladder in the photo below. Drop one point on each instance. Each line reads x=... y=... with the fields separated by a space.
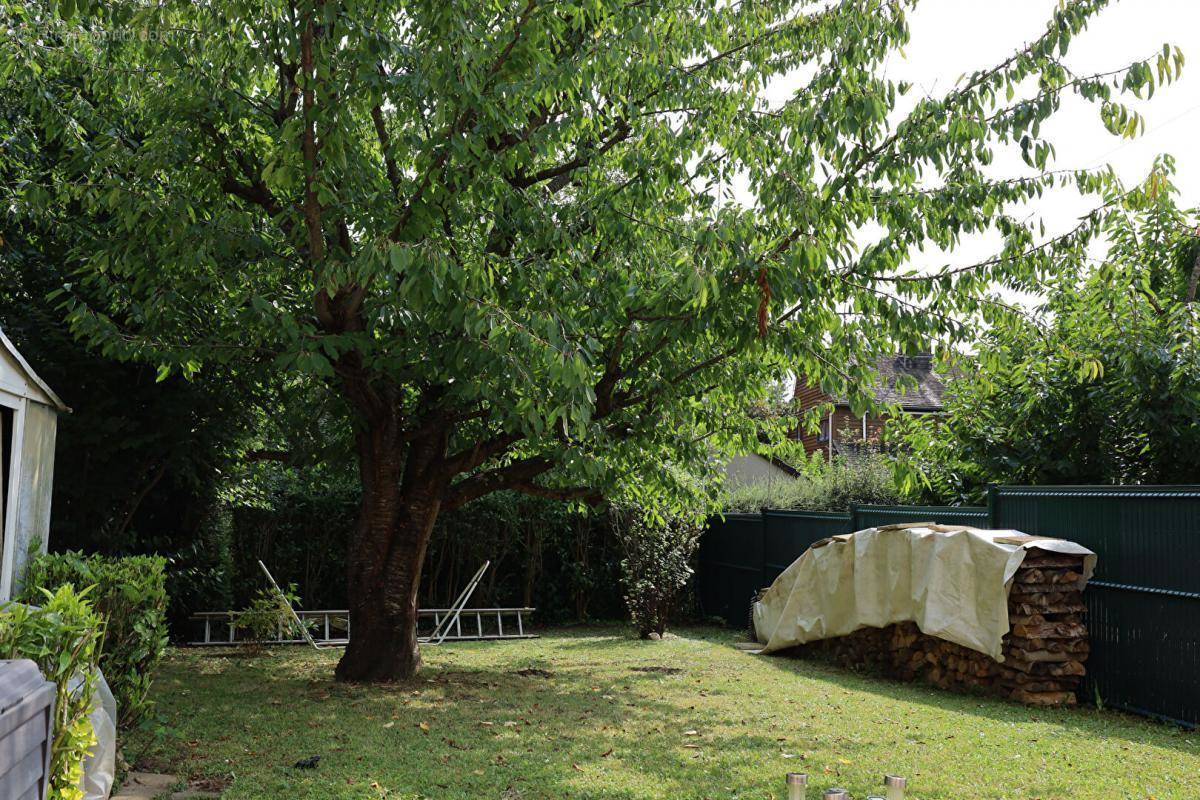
x=332 y=627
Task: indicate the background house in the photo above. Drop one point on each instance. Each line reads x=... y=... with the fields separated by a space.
x=908 y=382
x=29 y=412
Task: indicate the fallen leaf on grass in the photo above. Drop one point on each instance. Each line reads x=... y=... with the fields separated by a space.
x=423 y=726
x=607 y=753
x=577 y=768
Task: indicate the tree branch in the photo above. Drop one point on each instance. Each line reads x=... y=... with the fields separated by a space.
x=559 y=175
x=478 y=453
x=518 y=473
x=389 y=161
x=1194 y=281
x=585 y=493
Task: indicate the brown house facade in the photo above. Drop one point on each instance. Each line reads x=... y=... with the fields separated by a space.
x=844 y=432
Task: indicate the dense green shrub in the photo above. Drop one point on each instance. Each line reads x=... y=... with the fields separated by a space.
x=130 y=594
x=868 y=478
x=656 y=566
x=299 y=530
x=199 y=578
x=63 y=637
x=559 y=558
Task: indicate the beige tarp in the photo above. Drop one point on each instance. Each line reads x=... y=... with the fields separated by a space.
x=952 y=581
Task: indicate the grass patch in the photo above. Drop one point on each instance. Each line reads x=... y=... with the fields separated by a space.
x=595 y=713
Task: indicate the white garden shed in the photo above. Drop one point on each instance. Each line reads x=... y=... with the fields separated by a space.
x=29 y=412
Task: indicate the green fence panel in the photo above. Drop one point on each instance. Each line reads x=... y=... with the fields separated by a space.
x=730 y=567
x=787 y=534
x=873 y=516
x=1144 y=602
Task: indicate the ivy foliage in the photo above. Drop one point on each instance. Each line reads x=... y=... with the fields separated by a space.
x=62 y=636
x=508 y=222
x=1101 y=385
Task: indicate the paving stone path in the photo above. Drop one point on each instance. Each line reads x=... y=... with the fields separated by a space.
x=152 y=786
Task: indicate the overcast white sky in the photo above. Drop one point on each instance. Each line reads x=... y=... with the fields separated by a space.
x=952 y=37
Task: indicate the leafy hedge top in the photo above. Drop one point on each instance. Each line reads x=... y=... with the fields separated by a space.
x=130 y=594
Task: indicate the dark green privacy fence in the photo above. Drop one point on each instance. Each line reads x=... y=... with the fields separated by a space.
x=742 y=553
x=1143 y=604
x=1144 y=601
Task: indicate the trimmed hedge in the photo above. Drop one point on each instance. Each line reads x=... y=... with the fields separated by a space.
x=130 y=594
x=62 y=635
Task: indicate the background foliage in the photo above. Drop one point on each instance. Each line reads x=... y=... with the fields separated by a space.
x=140 y=463
x=1102 y=385
x=559 y=558
x=823 y=485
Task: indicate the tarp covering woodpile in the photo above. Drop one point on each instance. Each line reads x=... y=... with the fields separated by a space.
x=952 y=581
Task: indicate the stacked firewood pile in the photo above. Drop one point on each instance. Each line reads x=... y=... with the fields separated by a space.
x=1044 y=652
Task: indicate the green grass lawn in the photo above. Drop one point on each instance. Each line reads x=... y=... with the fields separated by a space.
x=595 y=713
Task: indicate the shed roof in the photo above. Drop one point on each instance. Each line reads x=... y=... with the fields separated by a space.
x=28 y=384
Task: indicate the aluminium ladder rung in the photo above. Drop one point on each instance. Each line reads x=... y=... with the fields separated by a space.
x=332 y=627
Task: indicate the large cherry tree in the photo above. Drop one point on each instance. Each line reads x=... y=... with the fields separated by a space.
x=536 y=245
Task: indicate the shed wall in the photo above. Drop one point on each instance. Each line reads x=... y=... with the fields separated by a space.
x=36 y=483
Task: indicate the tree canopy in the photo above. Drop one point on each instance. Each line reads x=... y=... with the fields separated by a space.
x=1101 y=384
x=503 y=231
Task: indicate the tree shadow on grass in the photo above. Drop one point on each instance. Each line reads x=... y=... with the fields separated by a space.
x=458 y=731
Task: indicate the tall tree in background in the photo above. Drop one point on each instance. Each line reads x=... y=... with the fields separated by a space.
x=1101 y=385
x=139 y=462
x=502 y=231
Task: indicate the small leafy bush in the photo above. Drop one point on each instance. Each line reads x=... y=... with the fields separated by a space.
x=63 y=637
x=130 y=594
x=657 y=564
x=268 y=615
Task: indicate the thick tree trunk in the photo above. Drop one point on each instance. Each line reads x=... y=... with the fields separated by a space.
x=401 y=498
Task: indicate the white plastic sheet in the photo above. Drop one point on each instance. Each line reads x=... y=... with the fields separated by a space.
x=953 y=582
x=99 y=771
